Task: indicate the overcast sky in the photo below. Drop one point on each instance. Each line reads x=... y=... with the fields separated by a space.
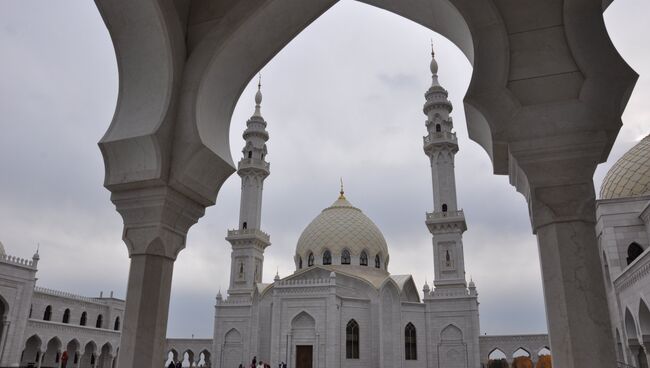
x=344 y=99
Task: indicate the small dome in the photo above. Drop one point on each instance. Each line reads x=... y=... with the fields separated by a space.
x=340 y=228
x=630 y=175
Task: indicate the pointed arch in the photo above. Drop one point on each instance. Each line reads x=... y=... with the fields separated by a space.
x=644 y=319
x=116 y=324
x=100 y=321
x=303 y=320
x=630 y=326
x=352 y=340
x=32 y=351
x=521 y=352
x=544 y=351
x=496 y=354
x=66 y=316
x=410 y=342
x=451 y=333
x=327 y=257
x=310 y=259
x=363 y=258
x=345 y=257
x=378 y=261
x=232 y=336
x=47 y=315
x=84 y=319
x=634 y=250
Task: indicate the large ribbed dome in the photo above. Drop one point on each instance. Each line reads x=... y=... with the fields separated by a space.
x=342 y=227
x=630 y=175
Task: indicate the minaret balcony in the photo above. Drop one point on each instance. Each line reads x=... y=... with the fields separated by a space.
x=246 y=234
x=440 y=139
x=254 y=163
x=440 y=221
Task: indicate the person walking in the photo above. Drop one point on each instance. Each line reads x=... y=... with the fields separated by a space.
x=171 y=364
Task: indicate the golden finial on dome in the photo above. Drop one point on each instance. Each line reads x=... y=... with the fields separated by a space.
x=342 y=196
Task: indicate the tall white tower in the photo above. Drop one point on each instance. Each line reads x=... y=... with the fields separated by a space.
x=249 y=241
x=446 y=223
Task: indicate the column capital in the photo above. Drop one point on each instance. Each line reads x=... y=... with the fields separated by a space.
x=156 y=219
x=555 y=175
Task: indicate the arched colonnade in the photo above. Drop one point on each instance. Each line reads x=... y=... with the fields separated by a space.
x=58 y=353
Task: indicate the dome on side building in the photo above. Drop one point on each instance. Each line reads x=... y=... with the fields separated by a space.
x=341 y=230
x=630 y=175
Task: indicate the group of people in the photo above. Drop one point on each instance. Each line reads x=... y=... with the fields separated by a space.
x=175 y=365
x=261 y=364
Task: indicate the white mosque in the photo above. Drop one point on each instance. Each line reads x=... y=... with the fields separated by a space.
x=341 y=307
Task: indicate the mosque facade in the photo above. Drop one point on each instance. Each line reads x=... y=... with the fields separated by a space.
x=342 y=307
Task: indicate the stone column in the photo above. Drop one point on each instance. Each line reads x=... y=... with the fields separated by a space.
x=557 y=182
x=3 y=339
x=156 y=221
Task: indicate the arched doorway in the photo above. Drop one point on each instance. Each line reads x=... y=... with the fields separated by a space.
x=52 y=354
x=233 y=350
x=32 y=353
x=521 y=358
x=303 y=340
x=497 y=359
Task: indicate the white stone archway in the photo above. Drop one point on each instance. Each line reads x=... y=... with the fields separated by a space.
x=545 y=101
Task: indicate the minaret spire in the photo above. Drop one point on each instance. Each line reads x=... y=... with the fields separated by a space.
x=446 y=223
x=248 y=241
x=258 y=98
x=342 y=192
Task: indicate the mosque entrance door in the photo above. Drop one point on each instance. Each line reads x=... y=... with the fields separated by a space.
x=304 y=356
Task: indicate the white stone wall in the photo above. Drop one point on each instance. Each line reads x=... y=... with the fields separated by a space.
x=16 y=289
x=621 y=222
x=509 y=344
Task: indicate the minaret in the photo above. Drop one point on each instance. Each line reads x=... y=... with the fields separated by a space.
x=248 y=241
x=446 y=223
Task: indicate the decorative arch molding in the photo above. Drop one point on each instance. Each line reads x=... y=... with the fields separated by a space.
x=233 y=336
x=644 y=320
x=451 y=333
x=303 y=320
x=630 y=328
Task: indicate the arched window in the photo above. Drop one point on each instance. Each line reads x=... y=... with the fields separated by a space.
x=116 y=325
x=244 y=225
x=99 y=321
x=47 y=316
x=444 y=207
x=410 y=343
x=345 y=257
x=66 y=316
x=250 y=154
x=438 y=128
x=377 y=261
x=327 y=258
x=310 y=260
x=363 y=259
x=92 y=359
x=299 y=262
x=352 y=340
x=84 y=319
x=633 y=252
